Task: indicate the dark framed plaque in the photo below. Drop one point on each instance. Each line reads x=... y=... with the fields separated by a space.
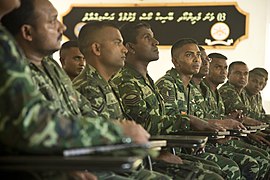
x=217 y=25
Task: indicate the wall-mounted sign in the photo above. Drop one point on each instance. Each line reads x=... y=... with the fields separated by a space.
x=217 y=25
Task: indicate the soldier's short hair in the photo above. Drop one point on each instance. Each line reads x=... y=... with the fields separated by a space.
x=217 y=55
x=67 y=45
x=88 y=32
x=70 y=44
x=231 y=66
x=25 y=14
x=180 y=43
x=129 y=30
x=259 y=71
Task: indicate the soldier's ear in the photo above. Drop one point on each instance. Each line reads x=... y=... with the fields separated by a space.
x=26 y=32
x=130 y=47
x=175 y=62
x=96 y=49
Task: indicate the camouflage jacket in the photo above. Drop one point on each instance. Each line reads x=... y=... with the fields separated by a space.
x=214 y=102
x=256 y=105
x=177 y=98
x=31 y=125
x=99 y=92
x=143 y=103
x=56 y=87
x=234 y=100
x=199 y=99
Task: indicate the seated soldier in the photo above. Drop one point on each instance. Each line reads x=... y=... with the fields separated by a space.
x=71 y=59
x=234 y=97
x=139 y=96
x=256 y=82
x=56 y=117
x=102 y=45
x=179 y=94
x=204 y=104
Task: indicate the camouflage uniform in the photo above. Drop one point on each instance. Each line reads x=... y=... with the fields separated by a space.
x=142 y=103
x=40 y=127
x=57 y=87
x=240 y=102
x=256 y=105
x=192 y=102
x=206 y=100
x=214 y=102
x=98 y=92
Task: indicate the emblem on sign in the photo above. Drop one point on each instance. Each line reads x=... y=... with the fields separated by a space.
x=220 y=31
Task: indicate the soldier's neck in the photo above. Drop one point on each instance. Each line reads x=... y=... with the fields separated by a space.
x=185 y=78
x=140 y=66
x=34 y=58
x=197 y=80
x=31 y=55
x=104 y=71
x=212 y=86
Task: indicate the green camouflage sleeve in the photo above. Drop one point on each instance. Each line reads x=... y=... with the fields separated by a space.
x=29 y=124
x=231 y=99
x=142 y=105
x=85 y=105
x=256 y=107
x=94 y=95
x=174 y=100
x=198 y=106
x=73 y=98
x=214 y=101
x=98 y=91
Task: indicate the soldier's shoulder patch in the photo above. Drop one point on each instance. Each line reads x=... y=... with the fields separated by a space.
x=168 y=95
x=131 y=99
x=98 y=107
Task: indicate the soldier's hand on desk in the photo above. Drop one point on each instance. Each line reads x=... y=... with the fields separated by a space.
x=251 y=122
x=259 y=139
x=236 y=115
x=135 y=131
x=202 y=125
x=82 y=175
x=169 y=158
x=228 y=124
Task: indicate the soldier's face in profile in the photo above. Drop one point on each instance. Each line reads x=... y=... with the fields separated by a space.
x=239 y=75
x=112 y=50
x=146 y=45
x=188 y=61
x=204 y=70
x=255 y=84
x=47 y=31
x=218 y=71
x=73 y=61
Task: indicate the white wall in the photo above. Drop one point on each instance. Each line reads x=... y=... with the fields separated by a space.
x=254 y=50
